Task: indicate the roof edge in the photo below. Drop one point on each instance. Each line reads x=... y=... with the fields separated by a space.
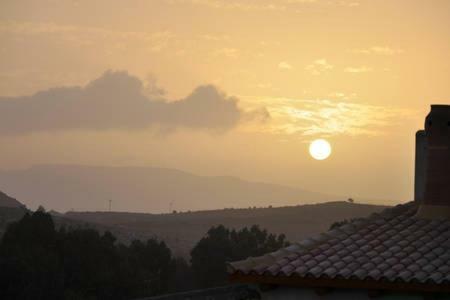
x=298 y=281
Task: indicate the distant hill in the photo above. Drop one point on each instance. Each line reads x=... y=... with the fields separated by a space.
x=182 y=230
x=143 y=189
x=7 y=201
x=10 y=210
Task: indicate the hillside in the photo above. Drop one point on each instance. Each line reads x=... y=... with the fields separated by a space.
x=143 y=189
x=10 y=210
x=7 y=201
x=182 y=230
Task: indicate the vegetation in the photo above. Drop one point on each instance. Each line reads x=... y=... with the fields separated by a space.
x=338 y=224
x=39 y=261
x=183 y=230
x=220 y=245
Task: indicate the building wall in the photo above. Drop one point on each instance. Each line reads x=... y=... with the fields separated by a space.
x=309 y=294
x=231 y=292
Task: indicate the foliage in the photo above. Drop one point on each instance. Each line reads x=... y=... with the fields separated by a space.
x=39 y=262
x=222 y=245
x=30 y=265
x=182 y=277
x=338 y=224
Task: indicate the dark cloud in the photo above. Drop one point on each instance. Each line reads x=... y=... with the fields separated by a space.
x=116 y=101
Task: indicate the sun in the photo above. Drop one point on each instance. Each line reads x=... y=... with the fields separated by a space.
x=320 y=149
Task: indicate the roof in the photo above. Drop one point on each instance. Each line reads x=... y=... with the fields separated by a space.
x=393 y=246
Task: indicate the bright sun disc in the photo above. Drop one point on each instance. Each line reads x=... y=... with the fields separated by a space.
x=320 y=149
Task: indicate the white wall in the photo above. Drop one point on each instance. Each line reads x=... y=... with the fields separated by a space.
x=309 y=294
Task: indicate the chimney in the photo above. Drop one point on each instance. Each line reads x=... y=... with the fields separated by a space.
x=435 y=202
x=420 y=168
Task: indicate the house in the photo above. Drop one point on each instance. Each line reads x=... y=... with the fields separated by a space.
x=401 y=253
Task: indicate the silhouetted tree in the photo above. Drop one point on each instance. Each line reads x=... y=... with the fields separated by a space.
x=90 y=263
x=38 y=262
x=182 y=278
x=30 y=265
x=221 y=245
x=152 y=262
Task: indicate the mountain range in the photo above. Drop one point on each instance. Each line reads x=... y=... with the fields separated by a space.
x=143 y=189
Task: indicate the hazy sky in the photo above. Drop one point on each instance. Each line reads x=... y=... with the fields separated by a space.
x=225 y=87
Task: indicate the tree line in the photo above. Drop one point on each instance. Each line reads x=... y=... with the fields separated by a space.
x=40 y=261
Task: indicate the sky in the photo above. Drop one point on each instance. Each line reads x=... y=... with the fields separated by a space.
x=225 y=87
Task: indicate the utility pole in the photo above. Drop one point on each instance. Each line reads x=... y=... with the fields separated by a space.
x=110 y=204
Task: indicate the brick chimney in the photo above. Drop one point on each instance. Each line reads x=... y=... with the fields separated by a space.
x=433 y=145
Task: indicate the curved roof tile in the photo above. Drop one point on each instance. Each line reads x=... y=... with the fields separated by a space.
x=392 y=245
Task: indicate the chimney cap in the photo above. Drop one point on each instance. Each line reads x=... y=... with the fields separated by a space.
x=440 y=107
x=420 y=132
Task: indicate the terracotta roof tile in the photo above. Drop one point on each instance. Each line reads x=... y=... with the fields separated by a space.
x=447 y=278
x=301 y=270
x=330 y=272
x=345 y=272
x=377 y=260
x=288 y=269
x=340 y=264
x=374 y=274
x=393 y=245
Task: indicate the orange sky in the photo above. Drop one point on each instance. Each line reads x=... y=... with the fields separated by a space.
x=358 y=73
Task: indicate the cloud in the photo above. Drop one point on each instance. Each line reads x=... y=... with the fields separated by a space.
x=301 y=1
x=341 y=95
x=117 y=100
x=378 y=50
x=87 y=36
x=284 y=66
x=328 y=117
x=348 y=3
x=362 y=69
x=263 y=85
x=318 y=67
x=263 y=5
x=214 y=38
x=244 y=5
x=227 y=52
